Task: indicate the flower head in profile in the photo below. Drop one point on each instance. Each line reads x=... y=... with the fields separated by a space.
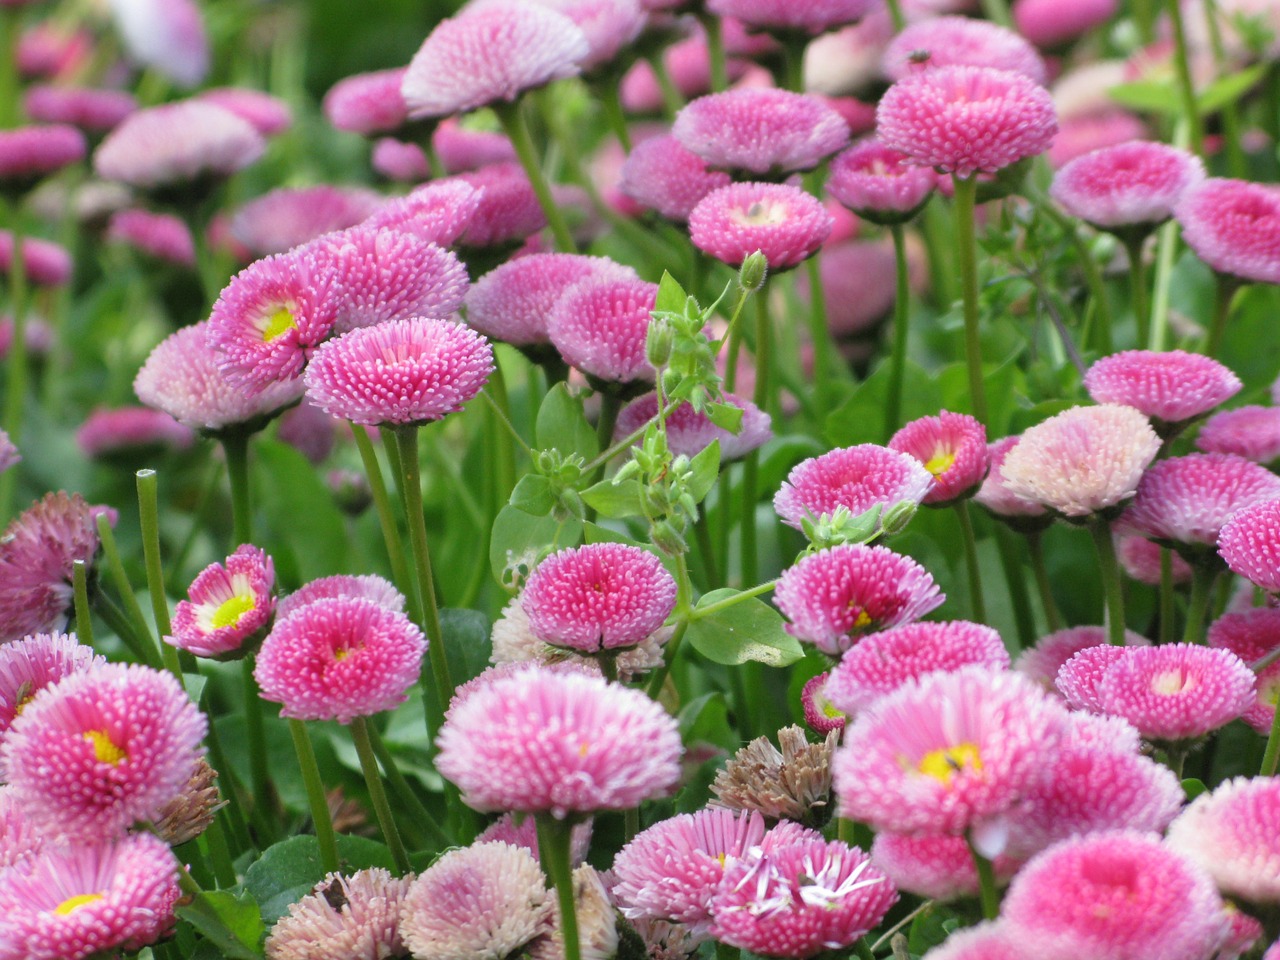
x=267 y=114
x=1129 y=185
x=856 y=478
x=507 y=211
x=821 y=715
x=933 y=865
x=1050 y=653
x=166 y=35
x=879 y=183
x=783 y=222
x=29 y=154
x=288 y=217
x=1231 y=833
x=48 y=264
x=659 y=173
x=1234 y=227
x=343 y=917
x=1252 y=432
x=29 y=665
x=462 y=148
x=228 y=603
x=952 y=447
x=600 y=327
x=365 y=587
x=955 y=41
x=1250 y=543
x=1252 y=635
x=367 y=103
x=690 y=432
x=1172 y=387
x=1052 y=25
x=995 y=495
x=1141 y=559
x=813 y=17
x=89 y=108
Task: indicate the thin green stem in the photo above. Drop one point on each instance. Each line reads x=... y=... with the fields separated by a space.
x=712 y=609
x=220 y=854
x=420 y=815
x=611 y=102
x=1015 y=578
x=259 y=775
x=1224 y=295
x=896 y=16
x=793 y=48
x=1166 y=595
x=149 y=515
x=1272 y=754
x=80 y=589
x=505 y=467
x=669 y=654
x=118 y=622
x=386 y=517
x=630 y=824
x=1202 y=579
x=966 y=242
x=714 y=31
x=1109 y=569
x=235 y=445
x=16 y=363
x=901 y=314
x=1044 y=586
x=672 y=98
x=976 y=601
x=554 y=838
x=997 y=11
x=10 y=32
x=706 y=551
x=734 y=339
x=230 y=787
x=1186 y=87
x=610 y=405
x=378 y=794
x=132 y=609
x=824 y=358
x=1138 y=292
x=315 y=796
x=517 y=130
x=987 y=892
x=938 y=248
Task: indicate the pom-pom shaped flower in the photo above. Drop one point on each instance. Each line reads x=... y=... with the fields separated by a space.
x=367 y=103
x=83 y=901
x=400 y=372
x=952 y=447
x=813 y=17
x=661 y=174
x=1171 y=387
x=690 y=432
x=995 y=495
x=1052 y=651
x=1252 y=635
x=400 y=161
x=1082 y=461
x=48 y=264
x=820 y=714
x=1252 y=432
x=278 y=221
x=166 y=35
x=88 y=108
x=438 y=212
x=600 y=327
x=461 y=149
x=1114 y=895
x=367 y=587
x=600 y=746
x=608 y=25
x=855 y=478
x=1234 y=227
x=934 y=865
x=1134 y=184
x=602 y=596
x=29 y=665
x=883 y=662
x=507 y=211
x=102 y=749
x=1141 y=558
x=946 y=753
x=29 y=153
x=1250 y=543
x=760 y=130
x=1081 y=134
x=800 y=899
x=965 y=119
x=1233 y=834
x=1079 y=678
x=878 y=183
x=159 y=235
x=836 y=595
x=339 y=659
x=783 y=222
x=989 y=940
x=492 y=53
x=1051 y=25
x=343 y=918
x=267 y=114
x=960 y=41
x=512 y=302
x=227 y=604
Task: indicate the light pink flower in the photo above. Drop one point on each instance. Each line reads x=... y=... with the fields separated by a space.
x=290 y=216
x=88 y=108
x=1233 y=834
x=608 y=25
x=159 y=235
x=1134 y=184
x=1172 y=388
x=988 y=940
x=661 y=174
x=166 y=35
x=952 y=447
x=1251 y=635
x=783 y=222
x=267 y=114
x=812 y=17
x=32 y=663
x=690 y=432
x=507 y=211
x=367 y=587
x=858 y=282
x=368 y=103
x=878 y=183
x=600 y=326
x=1052 y=25
x=1082 y=134
x=525 y=834
x=1140 y=558
x=856 y=478
x=760 y=130
x=461 y=149
x=438 y=212
x=1250 y=543
x=1252 y=432
x=400 y=161
x=933 y=865
x=995 y=495
x=344 y=918
x=957 y=41
x=1234 y=227
x=228 y=603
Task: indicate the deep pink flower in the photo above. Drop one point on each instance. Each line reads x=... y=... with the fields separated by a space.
x=855 y=478
x=1233 y=833
x=165 y=35
x=1234 y=227
x=959 y=41
x=661 y=174
x=309 y=430
x=28 y=154
x=858 y=282
x=106 y=433
x=399 y=372
x=47 y=264
x=1171 y=387
x=600 y=325
x=1082 y=674
x=29 y=665
x=368 y=103
x=88 y=108
x=966 y=120
x=103 y=749
x=1116 y=895
x=690 y=432
x=688 y=64
x=952 y=447
x=507 y=211
x=881 y=663
x=1054 y=24
x=1251 y=635
x=879 y=183
x=339 y=659
x=491 y=53
x=290 y=216
x=367 y=587
x=1251 y=432
x=934 y=865
x=227 y=604
x=438 y=212
x=344 y=918
x=1134 y=184
x=812 y=17
x=400 y=161
x=1052 y=651
x=947 y=753
x=989 y=940
x=1250 y=543
x=159 y=235
x=267 y=114
x=783 y=222
x=601 y=746
x=820 y=714
x=76 y=902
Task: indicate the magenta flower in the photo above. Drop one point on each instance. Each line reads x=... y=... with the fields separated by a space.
x=1172 y=388
x=598 y=597
x=438 y=212
x=783 y=222
x=947 y=753
x=368 y=587
x=399 y=161
x=1252 y=635
x=661 y=174
x=966 y=120
x=28 y=154
x=508 y=211
x=227 y=605
x=820 y=714
x=48 y=264
x=933 y=865
x=491 y=53
x=159 y=235
x=339 y=659
x=600 y=325
x=103 y=749
x=960 y=41
x=1052 y=651
x=461 y=149
x=602 y=747
x=1140 y=558
x=1052 y=25
x=278 y=221
x=399 y=372
x=343 y=918
x=1084 y=133
x=1080 y=677
x=881 y=663
x=1234 y=227
x=130 y=430
x=995 y=495
x=952 y=447
x=88 y=108
x=1130 y=185
x=19 y=839
x=368 y=103
x=85 y=901
x=29 y=665
x=1113 y=896
x=1231 y=834
x=814 y=17
x=835 y=596
x=855 y=478
x=1252 y=432
x=1250 y=543
x=690 y=432
x=267 y=114
x=878 y=183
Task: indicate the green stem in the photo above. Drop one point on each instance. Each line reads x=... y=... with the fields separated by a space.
x=1202 y=579
x=80 y=587
x=610 y=406
x=235 y=445
x=987 y=892
x=793 y=47
x=706 y=551
x=966 y=242
x=1019 y=596
x=659 y=676
x=1109 y=569
x=1044 y=586
x=714 y=31
x=554 y=838
x=725 y=952
x=517 y=131
x=220 y=854
x=315 y=796
x=824 y=348
x=149 y=516
x=10 y=33
x=16 y=363
x=259 y=775
x=1272 y=754
x=1223 y=295
x=417 y=811
x=1182 y=67
x=938 y=248
x=977 y=602
x=378 y=794
x=386 y=516
x=505 y=467
x=630 y=824
x=901 y=314
x=133 y=611
x=672 y=98
x=896 y=16
x=1166 y=595
x=713 y=608
x=734 y=339
x=611 y=102
x=115 y=618
x=997 y=11
x=230 y=787
x=1138 y=292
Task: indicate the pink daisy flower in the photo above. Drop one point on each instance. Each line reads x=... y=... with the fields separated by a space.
x=1051 y=652
x=995 y=495
x=878 y=183
x=367 y=587
x=936 y=866
x=165 y=35
x=399 y=161
x=1231 y=834
x=1251 y=432
x=181 y=377
x=19 y=839
x=52 y=50
x=368 y=103
x=659 y=173
x=600 y=326
x=1250 y=543
x=286 y=218
x=814 y=17
x=1050 y=25
x=507 y=211
x=952 y=447
x=760 y=130
x=989 y=940
x=491 y=53
x=36 y=556
x=88 y=108
x=598 y=597
x=960 y=41
x=821 y=715
x=1172 y=387
x=28 y=154
x=967 y=119
x=1234 y=227
x=159 y=235
x=461 y=149
x=343 y=918
x=602 y=747
x=339 y=659
x=228 y=603
x=29 y=665
x=512 y=302
x=84 y=901
x=1082 y=461
x=267 y=114
x=855 y=478
x=1134 y=184
x=1114 y=895
x=1079 y=135
x=128 y=431
x=438 y=212
x=399 y=372
x=608 y=25
x=690 y=432
x=783 y=222
x=800 y=899
x=688 y=64
x=1140 y=558
x=505 y=830
x=48 y=264
x=1252 y=635
x=103 y=749
x=947 y=753
x=881 y=663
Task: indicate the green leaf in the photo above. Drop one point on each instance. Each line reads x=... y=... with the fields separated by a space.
x=1230 y=88
x=930 y=928
x=1148 y=96
x=706 y=467
x=750 y=630
x=862 y=418
x=706 y=719
x=533 y=495
x=519 y=541
x=671 y=296
x=287 y=871
x=562 y=425
x=298 y=523
x=610 y=499
x=725 y=416
x=1193 y=788
x=230 y=921
x=466 y=642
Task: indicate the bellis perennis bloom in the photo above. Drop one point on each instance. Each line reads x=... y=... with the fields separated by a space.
x=343 y=918
x=1135 y=184
x=1172 y=387
x=29 y=665
x=1232 y=834
x=952 y=447
x=1234 y=227
x=228 y=604
x=855 y=478
x=783 y=222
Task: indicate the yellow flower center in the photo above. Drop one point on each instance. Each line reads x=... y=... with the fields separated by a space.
x=278 y=324
x=829 y=709
x=104 y=749
x=940 y=462
x=72 y=904
x=945 y=763
x=1171 y=683
x=231 y=612
x=341 y=654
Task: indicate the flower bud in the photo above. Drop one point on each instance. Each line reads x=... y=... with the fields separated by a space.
x=754 y=270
